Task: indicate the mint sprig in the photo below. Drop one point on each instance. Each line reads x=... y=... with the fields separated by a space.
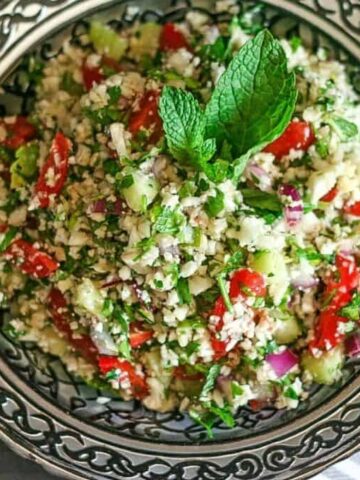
x=250 y=107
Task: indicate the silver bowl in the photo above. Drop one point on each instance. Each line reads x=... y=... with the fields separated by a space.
x=52 y=417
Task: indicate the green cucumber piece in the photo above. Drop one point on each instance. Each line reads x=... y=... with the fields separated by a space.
x=142 y=191
x=106 y=41
x=325 y=369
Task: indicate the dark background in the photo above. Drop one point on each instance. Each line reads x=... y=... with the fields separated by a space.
x=13 y=467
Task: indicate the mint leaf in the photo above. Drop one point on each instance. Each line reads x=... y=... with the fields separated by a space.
x=214 y=205
x=262 y=200
x=184 y=126
x=254 y=99
x=7 y=238
x=345 y=130
x=166 y=220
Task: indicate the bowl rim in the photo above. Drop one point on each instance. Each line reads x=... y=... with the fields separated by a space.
x=72 y=10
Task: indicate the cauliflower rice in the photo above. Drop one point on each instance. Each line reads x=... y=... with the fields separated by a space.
x=149 y=248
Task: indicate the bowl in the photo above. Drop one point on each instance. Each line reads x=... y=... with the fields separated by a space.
x=52 y=417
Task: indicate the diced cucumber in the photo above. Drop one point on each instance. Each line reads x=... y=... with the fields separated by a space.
x=272 y=264
x=325 y=369
x=287 y=330
x=89 y=298
x=25 y=165
x=146 y=41
x=142 y=191
x=106 y=41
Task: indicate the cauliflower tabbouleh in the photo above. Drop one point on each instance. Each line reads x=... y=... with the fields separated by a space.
x=179 y=215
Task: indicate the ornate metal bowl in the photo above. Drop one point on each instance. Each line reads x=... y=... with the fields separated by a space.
x=53 y=418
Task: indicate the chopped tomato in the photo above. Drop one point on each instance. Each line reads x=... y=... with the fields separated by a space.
x=219 y=347
x=139 y=338
x=247 y=282
x=3 y=228
x=259 y=404
x=18 y=133
x=138 y=383
x=353 y=209
x=61 y=317
x=182 y=373
x=147 y=116
x=91 y=76
x=298 y=136
x=55 y=170
x=330 y=196
x=172 y=38
x=30 y=260
x=338 y=293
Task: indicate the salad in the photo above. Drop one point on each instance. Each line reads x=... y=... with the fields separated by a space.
x=179 y=215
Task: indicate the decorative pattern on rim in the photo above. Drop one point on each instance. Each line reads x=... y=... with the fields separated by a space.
x=28 y=418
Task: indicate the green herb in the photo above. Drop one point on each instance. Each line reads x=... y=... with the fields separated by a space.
x=187 y=189
x=236 y=389
x=126 y=181
x=224 y=292
x=184 y=125
x=124 y=349
x=103 y=116
x=114 y=94
x=270 y=347
x=322 y=147
x=206 y=420
x=224 y=413
x=69 y=85
x=143 y=247
x=352 y=309
x=214 y=205
x=254 y=100
x=295 y=43
x=236 y=261
x=107 y=308
x=210 y=380
x=345 y=130
x=183 y=291
x=7 y=238
x=290 y=392
x=166 y=220
x=262 y=200
x=218 y=51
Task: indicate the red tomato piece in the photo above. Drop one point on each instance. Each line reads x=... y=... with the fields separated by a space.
x=181 y=373
x=219 y=347
x=298 y=136
x=3 y=228
x=18 y=133
x=91 y=76
x=61 y=317
x=147 y=116
x=330 y=196
x=219 y=310
x=30 y=260
x=55 y=170
x=353 y=209
x=338 y=293
x=138 y=383
x=247 y=282
x=139 y=338
x=327 y=333
x=172 y=38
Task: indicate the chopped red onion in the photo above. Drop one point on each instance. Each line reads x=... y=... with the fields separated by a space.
x=260 y=174
x=303 y=283
x=282 y=362
x=99 y=206
x=118 y=207
x=294 y=207
x=352 y=345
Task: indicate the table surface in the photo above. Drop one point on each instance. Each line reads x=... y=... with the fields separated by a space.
x=13 y=467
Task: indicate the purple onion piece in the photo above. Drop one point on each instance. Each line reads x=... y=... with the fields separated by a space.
x=304 y=283
x=352 y=345
x=282 y=362
x=99 y=206
x=294 y=207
